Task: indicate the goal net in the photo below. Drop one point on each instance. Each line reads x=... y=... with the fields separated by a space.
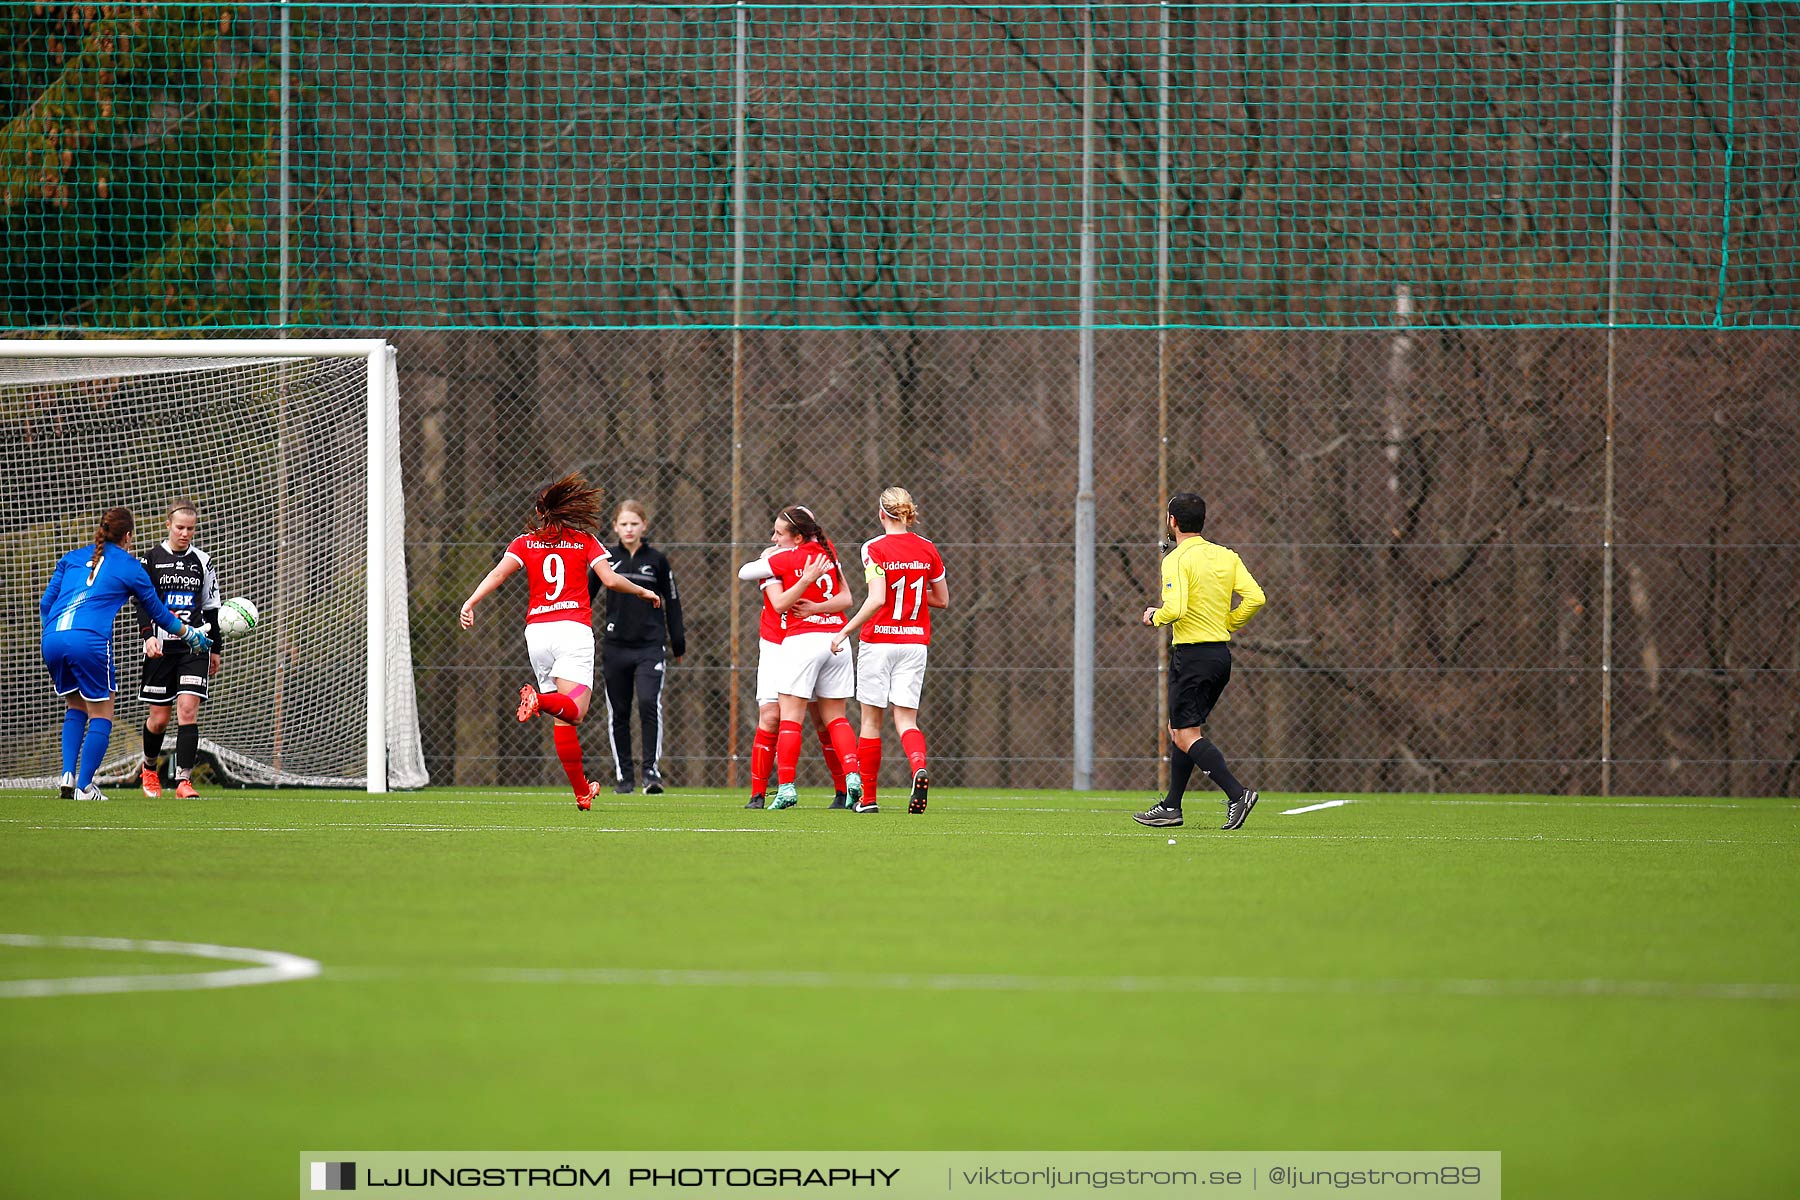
x=272 y=441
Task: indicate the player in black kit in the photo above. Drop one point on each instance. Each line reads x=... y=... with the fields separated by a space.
x=631 y=649
x=174 y=677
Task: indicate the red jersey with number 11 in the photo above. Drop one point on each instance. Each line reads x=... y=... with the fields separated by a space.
x=556 y=563
x=910 y=565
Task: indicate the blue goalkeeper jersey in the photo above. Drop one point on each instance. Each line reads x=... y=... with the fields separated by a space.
x=83 y=599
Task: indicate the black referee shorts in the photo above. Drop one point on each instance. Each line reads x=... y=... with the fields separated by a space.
x=1198 y=672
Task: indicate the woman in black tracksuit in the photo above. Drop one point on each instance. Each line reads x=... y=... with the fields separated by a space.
x=631 y=649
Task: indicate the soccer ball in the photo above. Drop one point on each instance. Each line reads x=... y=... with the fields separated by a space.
x=237 y=617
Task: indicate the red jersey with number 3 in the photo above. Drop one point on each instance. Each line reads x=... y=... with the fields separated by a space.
x=556 y=563
x=910 y=565
x=788 y=566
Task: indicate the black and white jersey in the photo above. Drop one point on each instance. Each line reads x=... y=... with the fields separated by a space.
x=188 y=584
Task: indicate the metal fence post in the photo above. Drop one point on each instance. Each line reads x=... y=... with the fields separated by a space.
x=740 y=197
x=1084 y=484
x=1612 y=337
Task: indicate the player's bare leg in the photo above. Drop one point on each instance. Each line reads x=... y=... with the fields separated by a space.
x=912 y=741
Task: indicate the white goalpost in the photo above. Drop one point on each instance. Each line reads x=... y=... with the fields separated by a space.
x=290 y=450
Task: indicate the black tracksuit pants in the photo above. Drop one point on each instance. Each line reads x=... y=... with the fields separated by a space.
x=629 y=670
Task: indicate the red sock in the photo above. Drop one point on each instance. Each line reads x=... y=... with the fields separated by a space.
x=762 y=760
x=913 y=742
x=787 y=751
x=843 y=740
x=568 y=748
x=868 y=753
x=559 y=705
x=833 y=762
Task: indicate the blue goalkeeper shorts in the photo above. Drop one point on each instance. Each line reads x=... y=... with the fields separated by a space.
x=79 y=661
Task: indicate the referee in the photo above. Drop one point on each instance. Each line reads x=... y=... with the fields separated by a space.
x=1198 y=581
x=631 y=649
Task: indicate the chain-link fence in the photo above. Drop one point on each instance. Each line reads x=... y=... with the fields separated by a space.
x=1475 y=324
x=1426 y=511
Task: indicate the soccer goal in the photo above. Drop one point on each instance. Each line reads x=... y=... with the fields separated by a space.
x=290 y=450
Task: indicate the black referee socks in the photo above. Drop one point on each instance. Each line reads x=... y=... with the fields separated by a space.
x=1181 y=769
x=1206 y=756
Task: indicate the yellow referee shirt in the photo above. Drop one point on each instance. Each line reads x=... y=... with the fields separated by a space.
x=1198 y=581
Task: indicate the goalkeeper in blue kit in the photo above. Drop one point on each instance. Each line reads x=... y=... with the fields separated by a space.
x=84 y=596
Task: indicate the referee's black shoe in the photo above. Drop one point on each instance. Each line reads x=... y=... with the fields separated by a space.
x=756 y=801
x=840 y=800
x=1159 y=816
x=1238 y=810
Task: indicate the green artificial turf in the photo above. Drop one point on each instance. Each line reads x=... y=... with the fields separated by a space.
x=1027 y=971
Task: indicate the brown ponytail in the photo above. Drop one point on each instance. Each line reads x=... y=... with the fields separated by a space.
x=115 y=526
x=800 y=519
x=569 y=503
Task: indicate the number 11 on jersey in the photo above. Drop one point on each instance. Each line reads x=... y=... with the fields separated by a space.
x=918 y=591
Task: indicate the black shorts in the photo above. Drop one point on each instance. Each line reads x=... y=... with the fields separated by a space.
x=1198 y=672
x=176 y=673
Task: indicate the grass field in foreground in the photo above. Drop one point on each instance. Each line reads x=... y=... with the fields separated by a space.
x=1547 y=977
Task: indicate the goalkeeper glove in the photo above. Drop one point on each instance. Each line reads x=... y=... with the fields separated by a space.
x=195 y=638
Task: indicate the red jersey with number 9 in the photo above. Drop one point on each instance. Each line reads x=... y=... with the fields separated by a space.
x=910 y=565
x=556 y=563
x=788 y=566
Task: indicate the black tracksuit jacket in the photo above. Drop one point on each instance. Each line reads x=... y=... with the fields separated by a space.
x=634 y=622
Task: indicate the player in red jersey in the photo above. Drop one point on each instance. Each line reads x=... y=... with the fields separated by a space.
x=558 y=556
x=906 y=581
x=771 y=630
x=808 y=595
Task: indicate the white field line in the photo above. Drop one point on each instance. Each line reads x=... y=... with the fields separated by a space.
x=1225 y=984
x=1289 y=812
x=675 y=800
x=580 y=827
x=389 y=827
x=272 y=966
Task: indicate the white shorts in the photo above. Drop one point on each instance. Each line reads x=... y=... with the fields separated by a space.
x=811 y=670
x=561 y=650
x=891 y=673
x=768 y=672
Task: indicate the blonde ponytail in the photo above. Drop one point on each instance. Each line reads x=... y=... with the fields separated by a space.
x=897 y=505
